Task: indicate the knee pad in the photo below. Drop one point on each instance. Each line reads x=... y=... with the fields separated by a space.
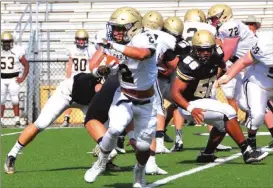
x=255 y=120
x=14 y=99
x=143 y=145
x=114 y=132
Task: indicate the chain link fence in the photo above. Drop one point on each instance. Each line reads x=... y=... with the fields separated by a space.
x=43 y=78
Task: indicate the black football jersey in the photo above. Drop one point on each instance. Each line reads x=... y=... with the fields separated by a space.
x=199 y=76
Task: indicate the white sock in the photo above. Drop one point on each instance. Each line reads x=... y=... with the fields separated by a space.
x=17 y=118
x=15 y=150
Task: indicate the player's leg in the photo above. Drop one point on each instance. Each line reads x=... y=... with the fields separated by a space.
x=14 y=89
x=268 y=119
x=169 y=117
x=161 y=114
x=55 y=105
x=256 y=101
x=224 y=118
x=178 y=122
x=97 y=115
x=220 y=147
x=145 y=127
x=3 y=99
x=67 y=117
x=120 y=115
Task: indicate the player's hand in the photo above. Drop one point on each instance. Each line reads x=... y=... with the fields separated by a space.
x=223 y=80
x=103 y=42
x=132 y=142
x=103 y=70
x=19 y=80
x=198 y=115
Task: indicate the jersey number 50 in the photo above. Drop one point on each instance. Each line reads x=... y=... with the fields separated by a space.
x=204 y=87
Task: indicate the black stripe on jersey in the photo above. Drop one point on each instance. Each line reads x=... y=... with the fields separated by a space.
x=183 y=77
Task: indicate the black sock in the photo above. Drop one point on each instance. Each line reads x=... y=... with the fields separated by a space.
x=252 y=136
x=271 y=131
x=243 y=146
x=99 y=140
x=159 y=134
x=66 y=118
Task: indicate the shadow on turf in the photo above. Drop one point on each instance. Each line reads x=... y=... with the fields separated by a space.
x=202 y=148
x=119 y=185
x=229 y=162
x=123 y=169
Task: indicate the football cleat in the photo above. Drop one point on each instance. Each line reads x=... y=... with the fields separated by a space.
x=178 y=146
x=206 y=158
x=152 y=169
x=96 y=150
x=120 y=145
x=252 y=143
x=10 y=165
x=97 y=169
x=160 y=147
x=110 y=166
x=139 y=177
x=167 y=138
x=254 y=156
x=221 y=147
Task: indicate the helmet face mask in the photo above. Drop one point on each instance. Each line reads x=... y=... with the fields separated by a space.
x=218 y=14
x=215 y=20
x=203 y=44
x=81 y=39
x=124 y=23
x=6 y=41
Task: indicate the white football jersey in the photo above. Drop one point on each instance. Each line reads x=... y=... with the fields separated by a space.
x=261 y=72
x=10 y=60
x=191 y=27
x=141 y=75
x=81 y=58
x=235 y=28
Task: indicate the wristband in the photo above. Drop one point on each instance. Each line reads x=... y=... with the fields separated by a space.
x=190 y=108
x=118 y=47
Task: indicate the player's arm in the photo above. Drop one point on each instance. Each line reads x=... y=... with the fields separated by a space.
x=25 y=63
x=229 y=45
x=180 y=84
x=237 y=67
x=69 y=68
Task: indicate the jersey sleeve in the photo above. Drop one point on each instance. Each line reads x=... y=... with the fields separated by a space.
x=20 y=52
x=187 y=69
x=262 y=52
x=144 y=40
x=229 y=30
x=169 y=55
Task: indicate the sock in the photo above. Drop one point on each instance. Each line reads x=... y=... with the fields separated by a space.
x=178 y=136
x=109 y=142
x=252 y=136
x=17 y=118
x=67 y=118
x=271 y=131
x=16 y=149
x=159 y=134
x=244 y=146
x=140 y=166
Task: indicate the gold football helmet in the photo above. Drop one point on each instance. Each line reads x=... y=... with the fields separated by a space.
x=6 y=41
x=174 y=25
x=153 y=20
x=81 y=38
x=203 y=44
x=126 y=20
x=195 y=15
x=218 y=14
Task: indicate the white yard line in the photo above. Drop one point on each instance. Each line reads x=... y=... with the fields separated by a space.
x=13 y=133
x=195 y=170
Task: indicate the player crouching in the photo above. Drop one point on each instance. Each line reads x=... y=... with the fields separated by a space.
x=196 y=74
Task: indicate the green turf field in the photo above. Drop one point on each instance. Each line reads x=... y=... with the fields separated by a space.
x=59 y=158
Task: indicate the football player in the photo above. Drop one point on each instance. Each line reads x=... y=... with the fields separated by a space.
x=68 y=94
x=134 y=100
x=236 y=40
x=191 y=90
x=168 y=62
x=77 y=63
x=195 y=20
x=11 y=58
x=258 y=81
